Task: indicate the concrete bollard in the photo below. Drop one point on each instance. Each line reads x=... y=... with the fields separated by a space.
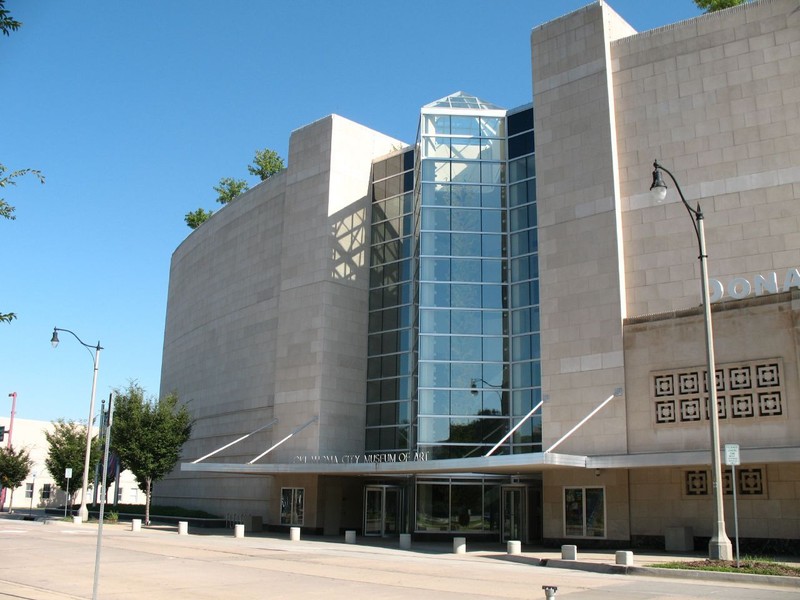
x=136 y=524
x=294 y=534
x=569 y=552
x=459 y=545
x=238 y=530
x=514 y=547
x=76 y=520
x=624 y=557
x=350 y=536
x=405 y=541
x=183 y=527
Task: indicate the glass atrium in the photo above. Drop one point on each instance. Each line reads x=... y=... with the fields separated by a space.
x=454 y=315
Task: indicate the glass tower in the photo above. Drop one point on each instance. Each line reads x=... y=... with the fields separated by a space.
x=453 y=329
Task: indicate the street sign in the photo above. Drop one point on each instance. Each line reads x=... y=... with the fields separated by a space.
x=732 y=454
x=68 y=473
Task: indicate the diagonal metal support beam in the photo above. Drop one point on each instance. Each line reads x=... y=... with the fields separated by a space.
x=202 y=458
x=297 y=430
x=617 y=392
x=513 y=429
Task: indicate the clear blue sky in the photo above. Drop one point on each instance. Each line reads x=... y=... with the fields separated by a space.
x=134 y=110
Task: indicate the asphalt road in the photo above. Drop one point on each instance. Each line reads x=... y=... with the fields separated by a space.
x=56 y=561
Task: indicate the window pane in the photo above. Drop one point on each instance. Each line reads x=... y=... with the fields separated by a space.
x=434 y=374
x=464 y=295
x=492 y=271
x=435 y=321
x=434 y=429
x=492 y=296
x=466 y=348
x=491 y=173
x=465 y=244
x=466 y=269
x=466 y=321
x=465 y=126
x=595 y=512
x=434 y=347
x=463 y=172
x=465 y=195
x=573 y=512
x=491 y=196
x=469 y=149
x=433 y=507
x=467 y=508
x=464 y=402
x=466 y=220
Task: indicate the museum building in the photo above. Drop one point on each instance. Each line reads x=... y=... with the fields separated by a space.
x=498 y=331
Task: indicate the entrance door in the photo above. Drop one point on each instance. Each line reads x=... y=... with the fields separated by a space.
x=381 y=510
x=514 y=514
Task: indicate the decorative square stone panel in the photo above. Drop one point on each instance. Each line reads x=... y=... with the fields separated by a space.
x=747 y=390
x=665 y=412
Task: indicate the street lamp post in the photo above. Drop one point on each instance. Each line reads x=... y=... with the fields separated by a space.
x=83 y=512
x=719 y=548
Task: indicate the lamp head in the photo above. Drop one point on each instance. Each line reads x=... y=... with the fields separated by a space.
x=659 y=188
x=54 y=339
x=473 y=387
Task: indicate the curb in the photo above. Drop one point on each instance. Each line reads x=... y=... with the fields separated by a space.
x=774 y=580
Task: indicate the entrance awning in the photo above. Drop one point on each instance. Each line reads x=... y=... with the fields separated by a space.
x=514 y=464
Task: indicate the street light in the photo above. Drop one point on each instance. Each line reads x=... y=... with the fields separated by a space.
x=83 y=512
x=719 y=548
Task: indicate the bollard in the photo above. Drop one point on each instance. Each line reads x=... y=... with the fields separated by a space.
x=514 y=547
x=550 y=591
x=238 y=530
x=183 y=527
x=350 y=536
x=76 y=520
x=294 y=534
x=460 y=545
x=405 y=541
x=569 y=552
x=624 y=557
x=136 y=524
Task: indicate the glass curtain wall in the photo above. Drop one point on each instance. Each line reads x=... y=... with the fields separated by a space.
x=454 y=358
x=463 y=303
x=389 y=363
x=524 y=281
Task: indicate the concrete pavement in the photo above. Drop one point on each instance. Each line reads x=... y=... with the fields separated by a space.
x=56 y=561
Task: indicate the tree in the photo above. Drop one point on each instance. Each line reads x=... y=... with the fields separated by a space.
x=7 y=23
x=147 y=435
x=67 y=449
x=6 y=210
x=198 y=217
x=229 y=188
x=715 y=5
x=14 y=468
x=265 y=164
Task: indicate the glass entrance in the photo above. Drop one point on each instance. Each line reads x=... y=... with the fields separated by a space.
x=514 y=514
x=381 y=510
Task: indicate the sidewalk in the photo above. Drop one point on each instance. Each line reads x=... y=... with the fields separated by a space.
x=158 y=563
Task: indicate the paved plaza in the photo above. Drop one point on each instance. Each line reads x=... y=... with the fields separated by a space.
x=55 y=560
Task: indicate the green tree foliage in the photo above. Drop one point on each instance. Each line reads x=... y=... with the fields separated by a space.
x=266 y=163
x=7 y=23
x=14 y=468
x=715 y=5
x=6 y=210
x=147 y=435
x=196 y=218
x=67 y=449
x=229 y=188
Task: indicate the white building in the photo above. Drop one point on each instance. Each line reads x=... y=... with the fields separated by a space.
x=39 y=489
x=414 y=331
